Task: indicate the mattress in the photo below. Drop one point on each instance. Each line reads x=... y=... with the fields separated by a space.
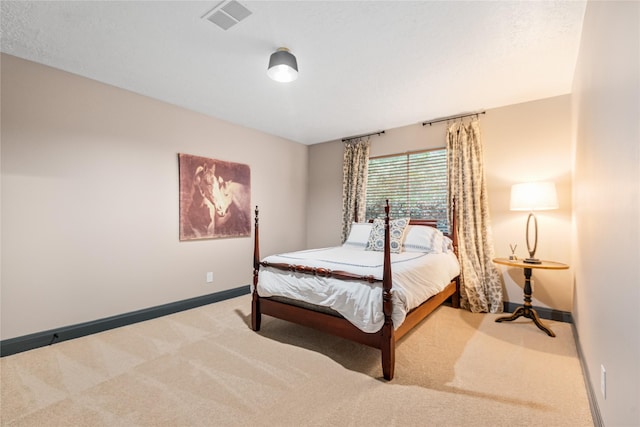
x=416 y=276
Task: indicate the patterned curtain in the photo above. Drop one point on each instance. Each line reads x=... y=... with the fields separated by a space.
x=354 y=182
x=480 y=286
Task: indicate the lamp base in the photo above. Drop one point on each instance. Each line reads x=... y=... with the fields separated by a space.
x=532 y=252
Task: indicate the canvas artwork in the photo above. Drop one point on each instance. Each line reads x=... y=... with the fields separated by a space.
x=215 y=198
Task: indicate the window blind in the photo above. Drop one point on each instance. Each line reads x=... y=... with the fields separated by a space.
x=414 y=183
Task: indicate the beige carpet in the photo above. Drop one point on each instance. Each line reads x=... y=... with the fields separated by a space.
x=205 y=367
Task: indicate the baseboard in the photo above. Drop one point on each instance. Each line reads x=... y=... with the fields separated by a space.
x=543 y=312
x=591 y=394
x=41 y=339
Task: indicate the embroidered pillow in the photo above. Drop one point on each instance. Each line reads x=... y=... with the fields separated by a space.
x=397 y=228
x=359 y=235
x=423 y=239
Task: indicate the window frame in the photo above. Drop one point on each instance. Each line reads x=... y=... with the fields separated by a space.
x=439 y=212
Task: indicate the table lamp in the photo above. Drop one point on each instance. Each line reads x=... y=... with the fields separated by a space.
x=533 y=196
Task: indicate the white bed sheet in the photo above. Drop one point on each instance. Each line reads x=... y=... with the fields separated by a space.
x=415 y=276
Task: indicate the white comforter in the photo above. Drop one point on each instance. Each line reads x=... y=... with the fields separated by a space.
x=416 y=277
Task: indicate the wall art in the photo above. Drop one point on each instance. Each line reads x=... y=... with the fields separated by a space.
x=215 y=198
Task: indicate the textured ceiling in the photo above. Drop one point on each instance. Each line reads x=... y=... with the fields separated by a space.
x=364 y=66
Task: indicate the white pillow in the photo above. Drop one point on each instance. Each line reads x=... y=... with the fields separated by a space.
x=359 y=235
x=397 y=228
x=420 y=238
x=447 y=244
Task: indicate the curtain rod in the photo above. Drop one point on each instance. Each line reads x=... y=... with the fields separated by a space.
x=362 y=136
x=444 y=119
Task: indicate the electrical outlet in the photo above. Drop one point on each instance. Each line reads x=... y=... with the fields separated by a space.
x=603 y=381
x=210 y=277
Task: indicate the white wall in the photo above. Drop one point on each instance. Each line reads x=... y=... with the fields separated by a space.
x=90 y=200
x=529 y=141
x=606 y=107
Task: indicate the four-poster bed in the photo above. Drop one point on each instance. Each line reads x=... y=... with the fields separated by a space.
x=328 y=320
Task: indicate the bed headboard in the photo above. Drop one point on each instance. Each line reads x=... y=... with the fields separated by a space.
x=428 y=222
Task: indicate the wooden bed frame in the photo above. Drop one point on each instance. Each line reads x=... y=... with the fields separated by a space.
x=385 y=339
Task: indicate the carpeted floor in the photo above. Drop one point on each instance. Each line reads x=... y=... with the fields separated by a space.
x=205 y=367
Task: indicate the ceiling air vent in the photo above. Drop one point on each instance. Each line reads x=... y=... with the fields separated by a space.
x=226 y=14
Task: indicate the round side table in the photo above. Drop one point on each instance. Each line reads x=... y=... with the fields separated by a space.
x=526 y=310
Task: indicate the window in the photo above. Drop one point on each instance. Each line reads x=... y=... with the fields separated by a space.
x=414 y=183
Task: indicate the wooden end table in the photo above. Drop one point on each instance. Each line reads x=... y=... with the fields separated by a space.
x=526 y=310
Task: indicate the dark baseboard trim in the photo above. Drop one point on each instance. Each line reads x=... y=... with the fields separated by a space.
x=591 y=394
x=543 y=312
x=41 y=339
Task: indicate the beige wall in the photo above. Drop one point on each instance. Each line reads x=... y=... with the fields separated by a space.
x=606 y=107
x=530 y=141
x=90 y=200
x=522 y=143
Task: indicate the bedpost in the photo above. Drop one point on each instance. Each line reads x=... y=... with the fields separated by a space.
x=388 y=344
x=455 y=298
x=256 y=317
x=454 y=226
x=355 y=213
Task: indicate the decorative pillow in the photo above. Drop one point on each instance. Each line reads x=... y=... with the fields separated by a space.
x=397 y=228
x=420 y=238
x=359 y=235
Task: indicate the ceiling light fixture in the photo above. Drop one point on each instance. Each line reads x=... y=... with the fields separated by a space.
x=283 y=66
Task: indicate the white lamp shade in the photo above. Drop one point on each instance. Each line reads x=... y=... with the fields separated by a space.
x=534 y=196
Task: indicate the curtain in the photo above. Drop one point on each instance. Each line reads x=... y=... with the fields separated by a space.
x=480 y=285
x=354 y=182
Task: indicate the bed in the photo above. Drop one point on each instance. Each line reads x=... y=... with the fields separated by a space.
x=317 y=288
